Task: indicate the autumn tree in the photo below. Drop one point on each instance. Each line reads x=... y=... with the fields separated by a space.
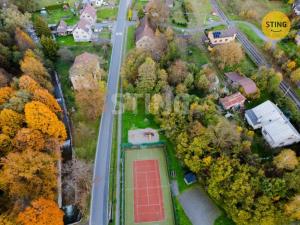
x=286 y=159
x=91 y=102
x=50 y=47
x=5 y=94
x=178 y=72
x=10 y=122
x=157 y=12
x=13 y=18
x=228 y=54
x=43 y=96
x=39 y=116
x=26 y=171
x=267 y=79
x=66 y=54
x=33 y=67
x=18 y=100
x=292 y=208
x=41 y=212
x=6 y=220
x=5 y=144
x=146 y=77
x=41 y=27
x=156 y=104
x=29 y=84
x=23 y=40
x=295 y=76
x=27 y=138
x=5 y=78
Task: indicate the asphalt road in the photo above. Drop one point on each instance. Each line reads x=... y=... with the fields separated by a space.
x=257 y=57
x=99 y=210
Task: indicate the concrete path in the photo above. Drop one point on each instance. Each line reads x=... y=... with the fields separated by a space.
x=200 y=209
x=174 y=188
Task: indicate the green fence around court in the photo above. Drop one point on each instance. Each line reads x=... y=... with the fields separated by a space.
x=144 y=147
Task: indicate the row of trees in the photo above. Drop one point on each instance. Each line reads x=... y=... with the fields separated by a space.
x=31 y=132
x=252 y=191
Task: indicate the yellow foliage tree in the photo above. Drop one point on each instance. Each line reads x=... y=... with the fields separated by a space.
x=27 y=138
x=39 y=116
x=43 y=96
x=33 y=67
x=5 y=145
x=41 y=212
x=5 y=220
x=292 y=208
x=27 y=83
x=10 y=122
x=5 y=94
x=286 y=159
x=28 y=175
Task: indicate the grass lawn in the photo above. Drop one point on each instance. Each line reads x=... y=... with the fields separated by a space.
x=196 y=55
x=291 y=49
x=55 y=15
x=246 y=66
x=132 y=156
x=44 y=3
x=252 y=36
x=105 y=34
x=69 y=41
x=107 y=14
x=138 y=4
x=130 y=38
x=261 y=7
x=223 y=220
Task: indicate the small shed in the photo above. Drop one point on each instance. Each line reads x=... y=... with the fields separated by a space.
x=190 y=178
x=236 y=100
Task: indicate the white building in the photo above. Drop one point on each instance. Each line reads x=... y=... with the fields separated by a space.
x=276 y=128
x=96 y=3
x=219 y=37
x=82 y=31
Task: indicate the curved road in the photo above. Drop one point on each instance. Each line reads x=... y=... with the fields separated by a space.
x=99 y=210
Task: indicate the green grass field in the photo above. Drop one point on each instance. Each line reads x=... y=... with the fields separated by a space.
x=44 y=3
x=252 y=36
x=107 y=14
x=145 y=154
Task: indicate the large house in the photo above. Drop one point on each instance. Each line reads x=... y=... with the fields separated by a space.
x=237 y=80
x=296 y=7
x=96 y=3
x=144 y=35
x=276 y=128
x=83 y=29
x=219 y=37
x=85 y=72
x=235 y=101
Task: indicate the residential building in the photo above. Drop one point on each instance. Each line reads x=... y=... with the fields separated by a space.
x=89 y=13
x=219 y=37
x=276 y=128
x=85 y=72
x=62 y=28
x=96 y=3
x=144 y=35
x=237 y=80
x=235 y=101
x=82 y=31
x=296 y=7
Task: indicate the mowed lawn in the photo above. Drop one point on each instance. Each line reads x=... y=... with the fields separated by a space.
x=107 y=14
x=45 y=3
x=147 y=154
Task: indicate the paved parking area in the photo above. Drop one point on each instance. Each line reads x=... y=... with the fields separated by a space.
x=200 y=209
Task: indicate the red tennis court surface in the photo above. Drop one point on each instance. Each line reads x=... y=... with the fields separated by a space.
x=148 y=200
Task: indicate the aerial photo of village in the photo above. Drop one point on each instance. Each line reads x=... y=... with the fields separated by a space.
x=149 y=112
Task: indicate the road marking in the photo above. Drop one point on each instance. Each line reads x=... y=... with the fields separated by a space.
x=119 y=33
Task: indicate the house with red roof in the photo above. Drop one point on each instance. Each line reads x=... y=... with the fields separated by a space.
x=237 y=80
x=235 y=101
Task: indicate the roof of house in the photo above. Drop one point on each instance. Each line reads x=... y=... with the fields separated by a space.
x=232 y=100
x=62 y=26
x=88 y=9
x=144 y=29
x=230 y=32
x=84 y=25
x=248 y=85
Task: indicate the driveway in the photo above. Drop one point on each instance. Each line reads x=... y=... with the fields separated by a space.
x=200 y=209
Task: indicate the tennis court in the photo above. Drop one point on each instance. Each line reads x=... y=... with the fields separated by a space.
x=147 y=188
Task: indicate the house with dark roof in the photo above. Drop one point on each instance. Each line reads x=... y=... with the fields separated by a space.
x=236 y=80
x=219 y=37
x=144 y=35
x=235 y=101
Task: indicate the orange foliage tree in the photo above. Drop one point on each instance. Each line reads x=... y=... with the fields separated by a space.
x=41 y=212
x=39 y=116
x=27 y=138
x=29 y=174
x=10 y=122
x=27 y=83
x=5 y=94
x=43 y=96
x=5 y=145
x=33 y=67
x=23 y=40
